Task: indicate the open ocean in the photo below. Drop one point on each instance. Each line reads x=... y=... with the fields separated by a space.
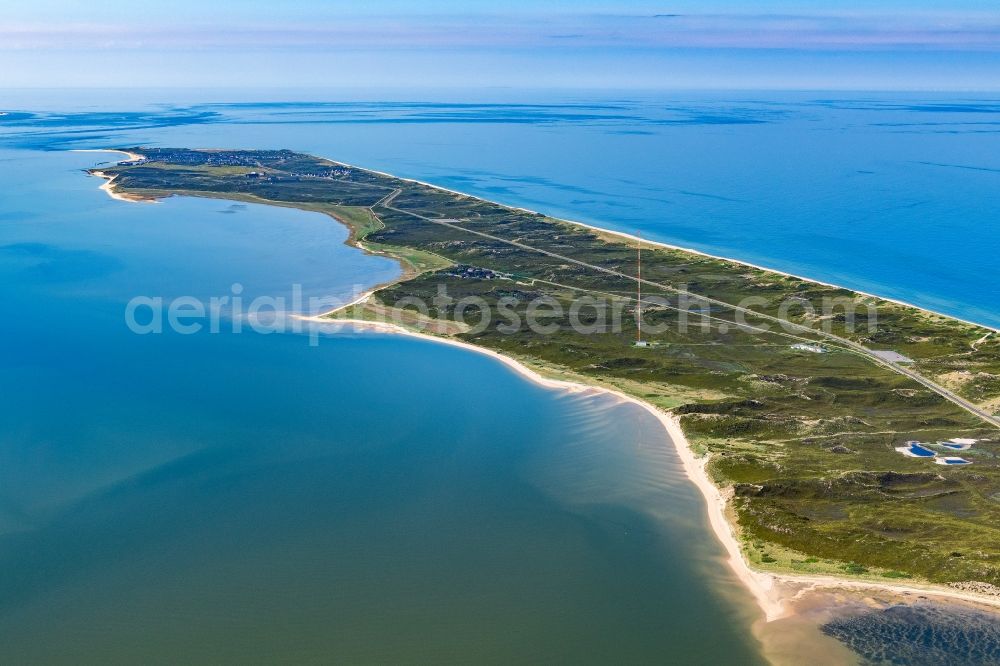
x=246 y=497
x=897 y=195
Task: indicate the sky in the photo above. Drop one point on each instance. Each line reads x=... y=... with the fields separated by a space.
x=668 y=44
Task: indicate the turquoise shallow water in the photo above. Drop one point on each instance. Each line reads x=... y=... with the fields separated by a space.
x=251 y=498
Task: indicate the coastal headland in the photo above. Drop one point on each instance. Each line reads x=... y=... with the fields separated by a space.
x=787 y=414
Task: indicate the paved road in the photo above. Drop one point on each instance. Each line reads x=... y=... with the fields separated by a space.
x=848 y=345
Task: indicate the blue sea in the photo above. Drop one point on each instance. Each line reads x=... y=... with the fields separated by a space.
x=897 y=195
x=247 y=497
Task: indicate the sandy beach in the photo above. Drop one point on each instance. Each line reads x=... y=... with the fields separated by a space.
x=774 y=593
x=109 y=186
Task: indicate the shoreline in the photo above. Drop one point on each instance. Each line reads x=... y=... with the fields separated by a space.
x=109 y=186
x=131 y=156
x=775 y=592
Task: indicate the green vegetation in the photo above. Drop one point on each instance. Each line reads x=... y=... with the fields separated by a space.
x=806 y=440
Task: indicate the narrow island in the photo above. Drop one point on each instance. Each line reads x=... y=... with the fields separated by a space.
x=830 y=451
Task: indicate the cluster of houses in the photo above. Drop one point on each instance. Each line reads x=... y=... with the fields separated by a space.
x=339 y=172
x=223 y=158
x=812 y=349
x=476 y=273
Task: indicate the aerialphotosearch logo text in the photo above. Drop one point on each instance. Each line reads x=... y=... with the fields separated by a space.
x=683 y=312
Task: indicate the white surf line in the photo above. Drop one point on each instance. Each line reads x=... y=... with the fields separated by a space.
x=109 y=187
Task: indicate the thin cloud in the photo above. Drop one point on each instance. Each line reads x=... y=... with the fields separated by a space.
x=846 y=32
